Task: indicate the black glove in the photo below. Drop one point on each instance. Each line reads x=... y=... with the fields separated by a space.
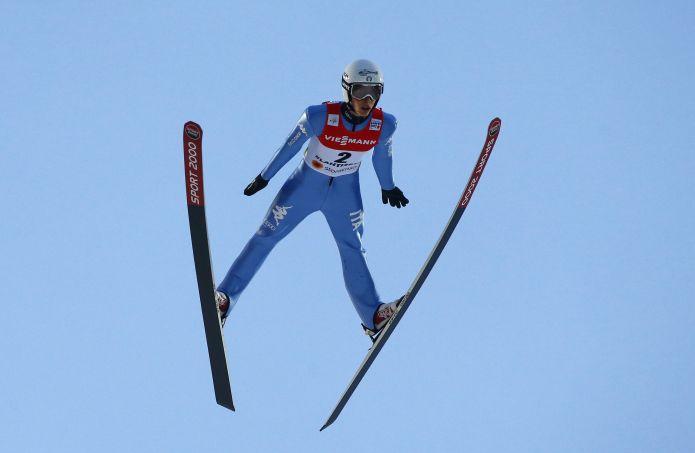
x=255 y=185
x=394 y=197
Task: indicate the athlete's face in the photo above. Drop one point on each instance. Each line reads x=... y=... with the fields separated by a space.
x=362 y=107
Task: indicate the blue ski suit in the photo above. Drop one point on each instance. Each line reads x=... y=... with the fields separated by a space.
x=326 y=180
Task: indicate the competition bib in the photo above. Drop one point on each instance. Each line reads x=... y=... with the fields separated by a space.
x=332 y=162
x=338 y=151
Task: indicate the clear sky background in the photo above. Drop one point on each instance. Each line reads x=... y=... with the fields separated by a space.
x=559 y=318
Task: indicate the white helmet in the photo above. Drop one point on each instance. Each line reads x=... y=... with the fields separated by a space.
x=366 y=76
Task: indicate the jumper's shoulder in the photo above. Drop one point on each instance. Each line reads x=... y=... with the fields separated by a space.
x=390 y=119
x=390 y=125
x=318 y=110
x=316 y=116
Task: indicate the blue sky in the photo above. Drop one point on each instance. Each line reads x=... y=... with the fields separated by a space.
x=559 y=318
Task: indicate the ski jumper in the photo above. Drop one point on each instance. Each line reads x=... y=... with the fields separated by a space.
x=326 y=180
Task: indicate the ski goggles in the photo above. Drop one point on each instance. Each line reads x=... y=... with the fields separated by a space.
x=361 y=91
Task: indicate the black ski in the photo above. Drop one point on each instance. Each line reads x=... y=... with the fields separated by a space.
x=492 y=134
x=193 y=161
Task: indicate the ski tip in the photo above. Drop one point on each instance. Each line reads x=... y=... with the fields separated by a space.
x=494 y=127
x=193 y=130
x=324 y=427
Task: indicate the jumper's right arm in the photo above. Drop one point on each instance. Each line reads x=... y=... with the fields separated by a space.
x=299 y=135
x=301 y=132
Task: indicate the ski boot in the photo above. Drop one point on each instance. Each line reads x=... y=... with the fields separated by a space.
x=382 y=315
x=222 y=301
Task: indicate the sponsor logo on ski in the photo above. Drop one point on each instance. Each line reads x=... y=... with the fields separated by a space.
x=468 y=193
x=194 y=174
x=345 y=140
x=483 y=159
x=480 y=166
x=375 y=125
x=333 y=119
x=192 y=132
x=495 y=128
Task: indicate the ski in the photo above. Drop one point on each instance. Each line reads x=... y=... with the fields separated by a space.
x=491 y=137
x=193 y=162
